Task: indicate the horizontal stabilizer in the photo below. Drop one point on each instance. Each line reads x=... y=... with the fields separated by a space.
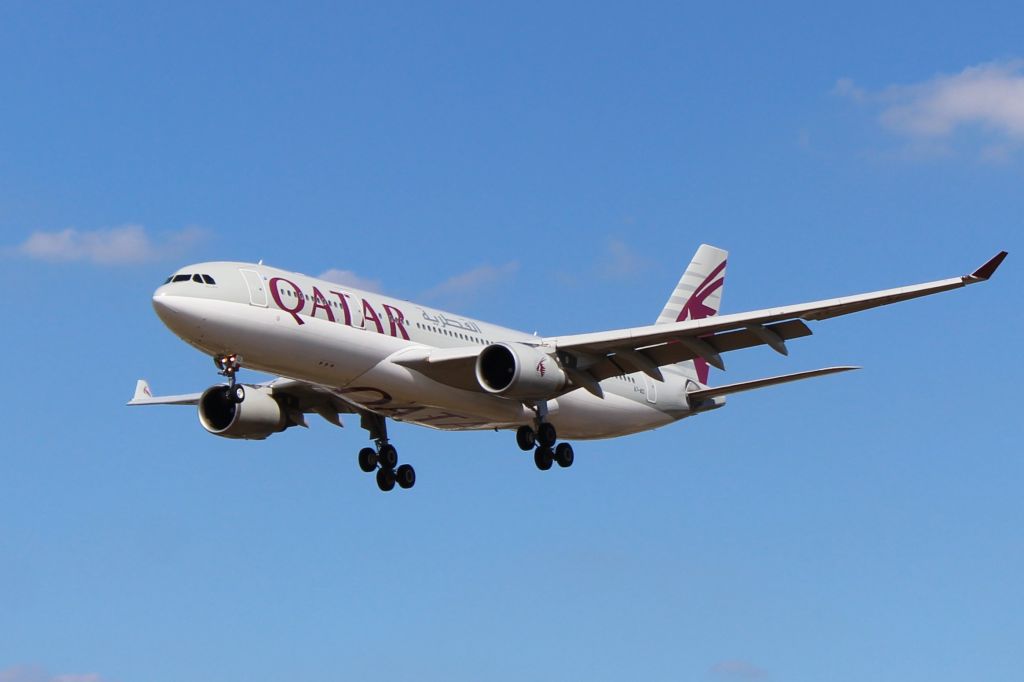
x=703 y=394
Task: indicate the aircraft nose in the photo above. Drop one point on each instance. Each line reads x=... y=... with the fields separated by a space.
x=177 y=312
x=161 y=301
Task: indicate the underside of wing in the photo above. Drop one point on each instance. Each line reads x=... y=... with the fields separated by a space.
x=144 y=396
x=307 y=398
x=297 y=397
x=450 y=366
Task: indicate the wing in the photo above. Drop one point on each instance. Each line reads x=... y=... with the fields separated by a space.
x=451 y=366
x=144 y=396
x=299 y=397
x=600 y=355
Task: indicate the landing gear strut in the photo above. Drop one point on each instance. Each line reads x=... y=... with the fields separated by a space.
x=543 y=438
x=229 y=366
x=384 y=459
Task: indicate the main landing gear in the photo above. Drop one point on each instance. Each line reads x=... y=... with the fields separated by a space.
x=543 y=439
x=384 y=459
x=229 y=366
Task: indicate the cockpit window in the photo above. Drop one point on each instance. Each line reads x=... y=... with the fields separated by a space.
x=208 y=279
x=168 y=280
x=197 y=278
x=181 y=278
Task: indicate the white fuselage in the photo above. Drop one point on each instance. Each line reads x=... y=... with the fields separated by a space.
x=346 y=340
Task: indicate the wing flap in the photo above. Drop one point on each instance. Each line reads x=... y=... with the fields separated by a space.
x=671 y=351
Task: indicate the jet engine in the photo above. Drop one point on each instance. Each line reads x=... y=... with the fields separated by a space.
x=255 y=418
x=515 y=370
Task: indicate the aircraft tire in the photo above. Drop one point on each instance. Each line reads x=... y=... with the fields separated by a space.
x=238 y=393
x=406 y=476
x=564 y=455
x=546 y=434
x=543 y=458
x=388 y=456
x=385 y=479
x=526 y=438
x=368 y=460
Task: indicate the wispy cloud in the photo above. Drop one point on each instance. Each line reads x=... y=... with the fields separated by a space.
x=351 y=279
x=845 y=87
x=122 y=245
x=620 y=261
x=472 y=283
x=37 y=674
x=737 y=670
x=988 y=98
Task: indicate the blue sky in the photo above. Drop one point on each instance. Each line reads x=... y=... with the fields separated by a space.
x=550 y=167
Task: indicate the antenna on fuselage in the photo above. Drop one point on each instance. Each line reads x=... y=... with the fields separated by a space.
x=260 y=262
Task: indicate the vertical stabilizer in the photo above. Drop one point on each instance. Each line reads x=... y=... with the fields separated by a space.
x=697 y=295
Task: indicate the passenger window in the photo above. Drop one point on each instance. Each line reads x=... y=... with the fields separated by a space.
x=208 y=279
x=182 y=278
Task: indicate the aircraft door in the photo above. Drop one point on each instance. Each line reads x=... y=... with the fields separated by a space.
x=652 y=389
x=257 y=289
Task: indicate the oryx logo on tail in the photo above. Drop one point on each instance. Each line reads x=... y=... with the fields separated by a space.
x=698 y=295
x=695 y=307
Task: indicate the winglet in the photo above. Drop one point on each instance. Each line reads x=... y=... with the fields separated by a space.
x=989 y=268
x=142 y=390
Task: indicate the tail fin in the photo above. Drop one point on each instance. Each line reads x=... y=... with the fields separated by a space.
x=697 y=295
x=699 y=292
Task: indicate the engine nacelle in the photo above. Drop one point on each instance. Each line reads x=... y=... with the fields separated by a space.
x=255 y=418
x=515 y=370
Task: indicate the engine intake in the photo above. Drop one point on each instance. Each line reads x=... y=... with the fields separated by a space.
x=255 y=418
x=515 y=370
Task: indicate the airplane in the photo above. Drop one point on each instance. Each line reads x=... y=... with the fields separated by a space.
x=339 y=350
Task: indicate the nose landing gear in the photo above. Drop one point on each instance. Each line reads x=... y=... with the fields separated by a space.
x=229 y=365
x=384 y=459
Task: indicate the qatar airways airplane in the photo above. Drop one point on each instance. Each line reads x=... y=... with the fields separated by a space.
x=339 y=350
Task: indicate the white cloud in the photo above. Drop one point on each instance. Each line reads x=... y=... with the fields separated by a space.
x=987 y=97
x=620 y=261
x=845 y=88
x=351 y=279
x=122 y=245
x=37 y=674
x=740 y=670
x=472 y=282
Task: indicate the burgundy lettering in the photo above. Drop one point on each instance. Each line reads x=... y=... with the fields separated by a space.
x=300 y=301
x=320 y=303
x=397 y=320
x=370 y=314
x=343 y=300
